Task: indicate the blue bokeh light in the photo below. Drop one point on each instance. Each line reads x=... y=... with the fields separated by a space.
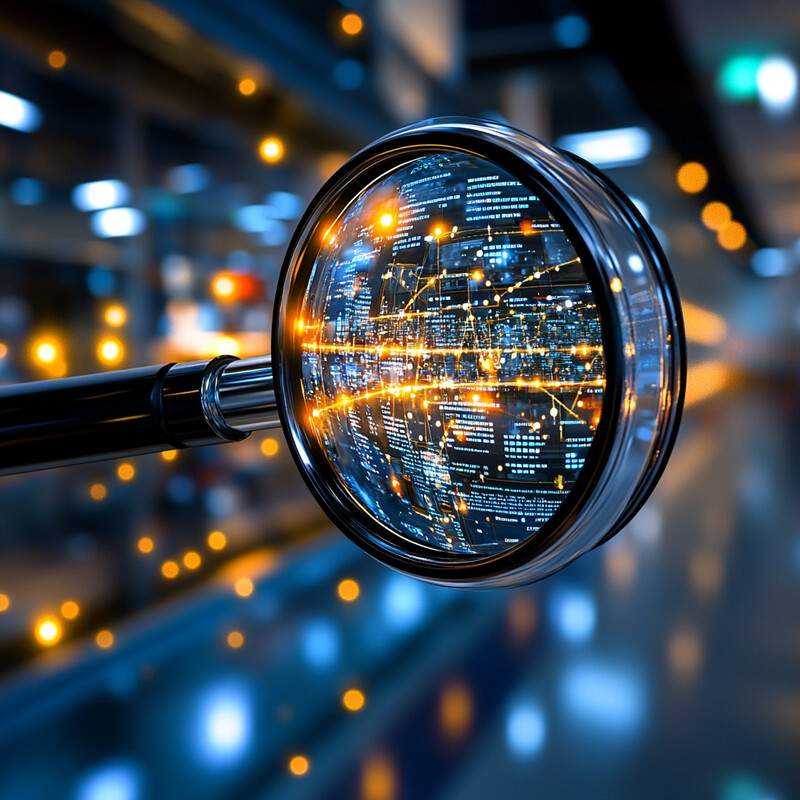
x=526 y=728
x=603 y=698
x=403 y=602
x=320 y=643
x=115 y=780
x=225 y=724
x=574 y=614
x=27 y=191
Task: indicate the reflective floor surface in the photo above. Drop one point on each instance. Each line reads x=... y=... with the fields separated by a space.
x=663 y=665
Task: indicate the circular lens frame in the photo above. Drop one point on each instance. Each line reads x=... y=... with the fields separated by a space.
x=643 y=341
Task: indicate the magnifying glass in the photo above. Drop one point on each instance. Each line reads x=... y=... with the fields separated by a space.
x=478 y=361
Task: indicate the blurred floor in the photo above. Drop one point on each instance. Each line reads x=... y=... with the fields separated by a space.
x=661 y=665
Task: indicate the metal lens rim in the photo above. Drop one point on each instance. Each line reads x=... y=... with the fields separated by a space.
x=385 y=544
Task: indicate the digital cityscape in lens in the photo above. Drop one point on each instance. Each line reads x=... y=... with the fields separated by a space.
x=452 y=356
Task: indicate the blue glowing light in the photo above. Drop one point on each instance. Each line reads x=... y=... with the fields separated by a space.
x=253 y=219
x=276 y=234
x=776 y=80
x=180 y=489
x=571 y=31
x=188 y=178
x=101 y=282
x=115 y=780
x=403 y=602
x=746 y=787
x=771 y=262
x=603 y=698
x=225 y=724
x=284 y=205
x=349 y=74
x=610 y=148
x=114 y=222
x=19 y=114
x=526 y=729
x=320 y=643
x=574 y=614
x=26 y=191
x=95 y=195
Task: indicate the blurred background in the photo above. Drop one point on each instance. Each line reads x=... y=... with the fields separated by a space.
x=189 y=624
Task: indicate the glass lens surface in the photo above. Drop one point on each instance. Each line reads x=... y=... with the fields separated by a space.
x=452 y=355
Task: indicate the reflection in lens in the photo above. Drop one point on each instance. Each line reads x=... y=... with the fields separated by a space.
x=452 y=356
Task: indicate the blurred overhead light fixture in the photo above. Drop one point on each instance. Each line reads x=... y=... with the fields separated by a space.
x=776 y=80
x=19 y=114
x=610 y=148
x=95 y=195
x=113 y=222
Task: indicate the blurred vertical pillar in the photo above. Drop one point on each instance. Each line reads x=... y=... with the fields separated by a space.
x=133 y=258
x=418 y=44
x=133 y=575
x=525 y=103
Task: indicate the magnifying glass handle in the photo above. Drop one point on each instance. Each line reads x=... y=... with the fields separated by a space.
x=131 y=412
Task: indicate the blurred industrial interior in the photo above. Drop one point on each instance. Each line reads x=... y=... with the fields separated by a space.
x=189 y=624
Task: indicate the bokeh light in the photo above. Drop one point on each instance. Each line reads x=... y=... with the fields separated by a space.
x=299 y=765
x=270 y=447
x=247 y=86
x=57 y=59
x=110 y=351
x=170 y=569
x=115 y=315
x=48 y=631
x=352 y=24
x=732 y=235
x=217 y=540
x=145 y=545
x=715 y=215
x=271 y=149
x=70 y=609
x=126 y=471
x=348 y=590
x=353 y=700
x=379 y=778
x=692 y=177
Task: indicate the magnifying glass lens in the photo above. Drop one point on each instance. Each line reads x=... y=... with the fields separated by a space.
x=452 y=366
